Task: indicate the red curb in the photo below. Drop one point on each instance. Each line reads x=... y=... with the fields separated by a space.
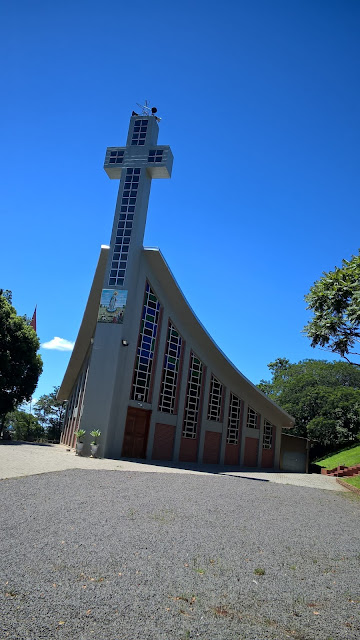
x=348 y=486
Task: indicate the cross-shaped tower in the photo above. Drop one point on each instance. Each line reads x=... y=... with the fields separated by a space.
x=136 y=165
x=108 y=366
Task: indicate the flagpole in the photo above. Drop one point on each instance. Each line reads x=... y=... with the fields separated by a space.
x=33 y=325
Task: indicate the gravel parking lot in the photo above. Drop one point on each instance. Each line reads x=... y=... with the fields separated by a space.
x=118 y=555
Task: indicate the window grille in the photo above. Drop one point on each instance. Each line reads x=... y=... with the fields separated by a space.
x=76 y=402
x=124 y=228
x=193 y=394
x=146 y=346
x=170 y=370
x=215 y=399
x=252 y=419
x=116 y=157
x=267 y=436
x=139 y=132
x=155 y=155
x=233 y=429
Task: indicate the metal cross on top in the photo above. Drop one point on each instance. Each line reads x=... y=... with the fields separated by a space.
x=141 y=150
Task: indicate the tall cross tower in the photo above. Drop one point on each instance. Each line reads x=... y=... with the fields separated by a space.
x=110 y=365
x=136 y=165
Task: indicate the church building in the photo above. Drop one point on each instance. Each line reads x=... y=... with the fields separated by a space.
x=144 y=370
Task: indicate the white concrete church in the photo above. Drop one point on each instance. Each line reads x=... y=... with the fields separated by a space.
x=144 y=370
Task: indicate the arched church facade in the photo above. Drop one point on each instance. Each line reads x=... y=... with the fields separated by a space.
x=144 y=370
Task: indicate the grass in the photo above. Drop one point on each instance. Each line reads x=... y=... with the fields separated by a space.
x=355 y=481
x=197 y=568
x=347 y=457
x=259 y=571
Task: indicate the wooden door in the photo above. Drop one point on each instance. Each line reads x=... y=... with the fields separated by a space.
x=136 y=433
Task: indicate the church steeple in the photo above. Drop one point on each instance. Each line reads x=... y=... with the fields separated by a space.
x=135 y=165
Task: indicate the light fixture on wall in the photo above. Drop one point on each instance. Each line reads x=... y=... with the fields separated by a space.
x=124 y=343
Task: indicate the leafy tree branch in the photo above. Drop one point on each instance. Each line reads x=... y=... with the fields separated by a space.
x=20 y=364
x=323 y=397
x=335 y=302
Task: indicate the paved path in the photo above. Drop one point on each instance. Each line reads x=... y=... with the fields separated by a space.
x=25 y=459
x=107 y=555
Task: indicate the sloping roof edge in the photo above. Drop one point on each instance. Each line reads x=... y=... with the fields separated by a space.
x=166 y=278
x=168 y=281
x=87 y=327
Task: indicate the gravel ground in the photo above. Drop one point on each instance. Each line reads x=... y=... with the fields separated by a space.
x=114 y=555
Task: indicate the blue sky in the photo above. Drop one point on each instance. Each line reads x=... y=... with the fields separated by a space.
x=260 y=104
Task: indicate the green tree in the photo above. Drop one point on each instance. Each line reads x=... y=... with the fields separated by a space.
x=51 y=412
x=7 y=295
x=335 y=302
x=20 y=364
x=23 y=426
x=323 y=397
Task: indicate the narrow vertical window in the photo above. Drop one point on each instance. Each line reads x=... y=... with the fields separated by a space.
x=146 y=346
x=232 y=436
x=193 y=394
x=139 y=132
x=252 y=419
x=170 y=370
x=215 y=399
x=267 y=436
x=124 y=228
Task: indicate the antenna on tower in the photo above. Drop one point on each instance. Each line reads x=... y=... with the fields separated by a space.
x=146 y=110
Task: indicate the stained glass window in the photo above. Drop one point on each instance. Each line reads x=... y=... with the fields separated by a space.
x=215 y=399
x=193 y=394
x=233 y=429
x=170 y=370
x=252 y=419
x=267 y=436
x=146 y=346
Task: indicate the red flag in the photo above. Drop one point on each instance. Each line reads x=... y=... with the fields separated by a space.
x=33 y=321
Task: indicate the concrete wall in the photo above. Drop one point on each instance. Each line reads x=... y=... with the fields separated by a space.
x=230 y=378
x=294 y=454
